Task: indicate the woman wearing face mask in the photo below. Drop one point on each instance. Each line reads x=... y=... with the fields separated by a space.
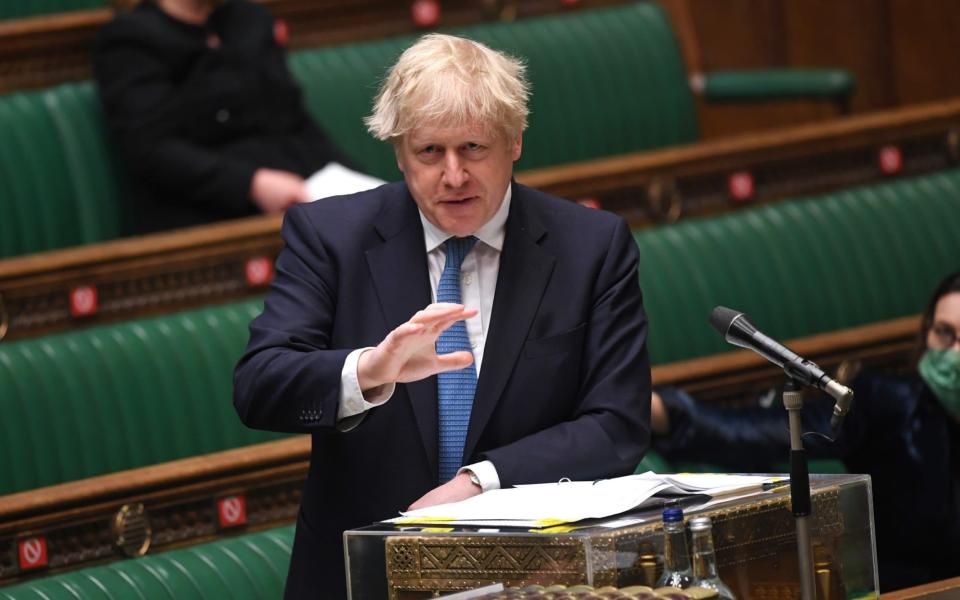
x=903 y=430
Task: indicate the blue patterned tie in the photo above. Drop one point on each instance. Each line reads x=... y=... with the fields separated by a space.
x=455 y=388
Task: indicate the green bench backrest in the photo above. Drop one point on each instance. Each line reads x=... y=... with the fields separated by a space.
x=803 y=266
x=250 y=566
x=121 y=396
x=15 y=9
x=604 y=82
x=59 y=184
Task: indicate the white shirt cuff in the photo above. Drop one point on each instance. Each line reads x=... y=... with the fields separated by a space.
x=486 y=473
x=352 y=400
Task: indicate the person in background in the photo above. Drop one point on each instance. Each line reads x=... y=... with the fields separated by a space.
x=207 y=116
x=449 y=334
x=902 y=430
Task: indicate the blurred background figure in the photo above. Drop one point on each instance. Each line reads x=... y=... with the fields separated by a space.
x=903 y=430
x=208 y=118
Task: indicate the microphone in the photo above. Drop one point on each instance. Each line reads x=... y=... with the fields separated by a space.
x=739 y=331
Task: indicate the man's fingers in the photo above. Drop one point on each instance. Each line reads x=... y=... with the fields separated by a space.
x=438 y=311
x=454 y=360
x=408 y=329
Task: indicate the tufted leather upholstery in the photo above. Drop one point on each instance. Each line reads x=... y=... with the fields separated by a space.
x=248 y=566
x=121 y=396
x=802 y=266
x=605 y=82
x=59 y=184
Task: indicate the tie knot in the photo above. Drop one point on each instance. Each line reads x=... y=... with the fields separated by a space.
x=458 y=248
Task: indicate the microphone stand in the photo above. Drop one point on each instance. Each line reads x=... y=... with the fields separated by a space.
x=800 y=489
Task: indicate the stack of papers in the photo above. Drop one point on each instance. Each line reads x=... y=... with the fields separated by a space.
x=551 y=504
x=335 y=179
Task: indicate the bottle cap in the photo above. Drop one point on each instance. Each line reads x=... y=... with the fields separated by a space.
x=700 y=524
x=673 y=515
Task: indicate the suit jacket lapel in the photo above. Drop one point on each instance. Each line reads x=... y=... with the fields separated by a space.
x=398 y=268
x=525 y=270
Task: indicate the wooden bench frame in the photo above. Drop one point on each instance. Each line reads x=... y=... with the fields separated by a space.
x=182 y=497
x=936 y=590
x=122 y=279
x=697 y=180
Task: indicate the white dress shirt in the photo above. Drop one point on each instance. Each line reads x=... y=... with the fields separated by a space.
x=478 y=284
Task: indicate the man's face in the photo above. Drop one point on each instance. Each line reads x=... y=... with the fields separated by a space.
x=457 y=175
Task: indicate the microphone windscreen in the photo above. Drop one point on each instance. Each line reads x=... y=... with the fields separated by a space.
x=721 y=317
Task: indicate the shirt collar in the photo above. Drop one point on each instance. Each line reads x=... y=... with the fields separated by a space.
x=491 y=233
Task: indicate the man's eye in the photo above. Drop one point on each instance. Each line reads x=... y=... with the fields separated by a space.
x=430 y=149
x=471 y=146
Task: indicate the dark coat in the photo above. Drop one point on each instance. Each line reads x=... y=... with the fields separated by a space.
x=194 y=120
x=564 y=389
x=896 y=432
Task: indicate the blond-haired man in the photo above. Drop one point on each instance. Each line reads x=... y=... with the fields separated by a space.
x=537 y=369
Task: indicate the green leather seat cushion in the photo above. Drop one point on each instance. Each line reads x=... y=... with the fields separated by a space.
x=249 y=566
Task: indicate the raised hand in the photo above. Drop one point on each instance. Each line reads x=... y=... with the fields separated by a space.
x=408 y=353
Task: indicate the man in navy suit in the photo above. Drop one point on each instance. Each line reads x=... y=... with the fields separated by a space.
x=549 y=314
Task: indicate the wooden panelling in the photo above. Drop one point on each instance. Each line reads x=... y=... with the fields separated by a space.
x=180 y=497
x=218 y=263
x=853 y=34
x=327 y=22
x=900 y=51
x=926 y=51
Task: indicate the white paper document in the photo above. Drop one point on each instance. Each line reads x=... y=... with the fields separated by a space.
x=550 y=504
x=335 y=179
x=714 y=484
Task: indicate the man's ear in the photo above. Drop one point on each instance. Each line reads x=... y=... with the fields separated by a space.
x=517 y=147
x=397 y=153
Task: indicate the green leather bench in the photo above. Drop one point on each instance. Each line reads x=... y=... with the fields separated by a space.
x=250 y=566
x=605 y=82
x=802 y=266
x=116 y=397
x=798 y=267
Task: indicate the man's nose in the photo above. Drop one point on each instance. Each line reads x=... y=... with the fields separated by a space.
x=454 y=171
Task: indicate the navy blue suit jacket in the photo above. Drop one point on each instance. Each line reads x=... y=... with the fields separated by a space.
x=565 y=385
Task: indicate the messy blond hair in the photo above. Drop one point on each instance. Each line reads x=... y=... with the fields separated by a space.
x=450 y=81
